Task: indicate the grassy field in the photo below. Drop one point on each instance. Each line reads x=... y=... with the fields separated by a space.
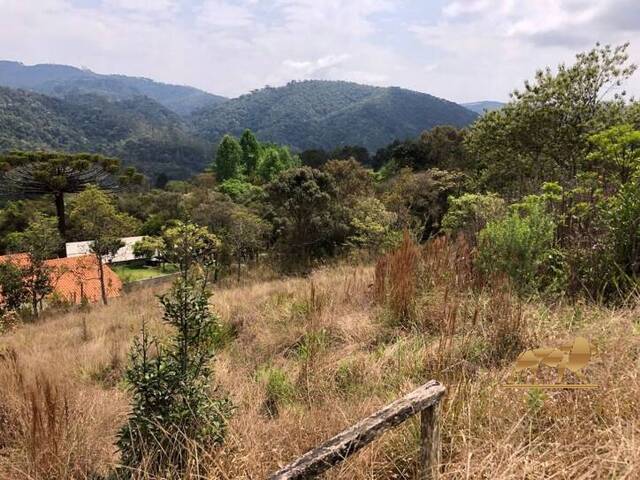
x=134 y=273
x=313 y=355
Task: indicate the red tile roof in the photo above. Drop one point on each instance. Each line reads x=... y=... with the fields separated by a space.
x=75 y=277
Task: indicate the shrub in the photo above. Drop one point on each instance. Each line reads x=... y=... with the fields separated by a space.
x=518 y=244
x=172 y=409
x=469 y=213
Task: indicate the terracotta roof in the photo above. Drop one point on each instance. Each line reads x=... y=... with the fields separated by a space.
x=76 y=277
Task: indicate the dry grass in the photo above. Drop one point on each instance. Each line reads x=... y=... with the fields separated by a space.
x=313 y=355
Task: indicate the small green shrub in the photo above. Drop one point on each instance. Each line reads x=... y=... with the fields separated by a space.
x=518 y=245
x=173 y=411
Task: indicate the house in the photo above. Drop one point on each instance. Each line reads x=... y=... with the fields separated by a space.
x=125 y=254
x=75 y=278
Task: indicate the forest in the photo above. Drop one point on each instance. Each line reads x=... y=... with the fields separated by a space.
x=317 y=281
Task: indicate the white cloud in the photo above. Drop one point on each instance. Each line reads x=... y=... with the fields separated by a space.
x=491 y=47
x=468 y=50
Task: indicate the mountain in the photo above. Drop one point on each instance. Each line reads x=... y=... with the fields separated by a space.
x=62 y=80
x=138 y=130
x=327 y=114
x=483 y=106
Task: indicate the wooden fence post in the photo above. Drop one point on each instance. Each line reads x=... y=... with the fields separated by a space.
x=429 y=443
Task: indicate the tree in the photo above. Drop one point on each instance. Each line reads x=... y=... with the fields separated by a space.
x=275 y=159
x=371 y=224
x=358 y=153
x=421 y=199
x=97 y=219
x=246 y=236
x=228 y=163
x=40 y=241
x=351 y=178
x=172 y=409
x=13 y=292
x=189 y=246
x=314 y=158
x=543 y=133
x=306 y=217
x=616 y=150
x=33 y=174
x=250 y=151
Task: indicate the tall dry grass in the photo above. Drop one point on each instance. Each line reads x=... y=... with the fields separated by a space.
x=320 y=352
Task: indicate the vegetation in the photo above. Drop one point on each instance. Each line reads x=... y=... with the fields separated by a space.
x=63 y=80
x=325 y=114
x=461 y=249
x=139 y=131
x=173 y=414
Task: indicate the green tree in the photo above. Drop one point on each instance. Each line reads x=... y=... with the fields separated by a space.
x=305 y=219
x=543 y=133
x=13 y=292
x=371 y=224
x=228 y=163
x=615 y=150
x=173 y=410
x=40 y=241
x=173 y=414
x=275 y=159
x=352 y=179
x=190 y=247
x=250 y=151
x=33 y=174
x=97 y=219
x=246 y=236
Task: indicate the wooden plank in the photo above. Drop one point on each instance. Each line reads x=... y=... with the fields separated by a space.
x=430 y=446
x=349 y=441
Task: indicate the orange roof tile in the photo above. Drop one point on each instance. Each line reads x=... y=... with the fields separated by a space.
x=75 y=277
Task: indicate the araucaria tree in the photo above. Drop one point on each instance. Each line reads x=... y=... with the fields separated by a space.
x=33 y=174
x=174 y=416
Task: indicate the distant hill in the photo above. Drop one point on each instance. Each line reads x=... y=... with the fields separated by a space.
x=138 y=130
x=63 y=80
x=327 y=114
x=484 y=106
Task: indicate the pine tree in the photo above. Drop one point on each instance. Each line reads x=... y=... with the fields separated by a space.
x=250 y=151
x=228 y=162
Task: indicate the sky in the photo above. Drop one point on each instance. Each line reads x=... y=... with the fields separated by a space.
x=462 y=50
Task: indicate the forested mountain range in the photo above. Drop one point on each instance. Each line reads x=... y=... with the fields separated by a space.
x=62 y=80
x=483 y=106
x=138 y=130
x=327 y=114
x=174 y=129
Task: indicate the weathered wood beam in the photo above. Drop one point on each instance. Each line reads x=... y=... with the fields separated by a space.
x=335 y=450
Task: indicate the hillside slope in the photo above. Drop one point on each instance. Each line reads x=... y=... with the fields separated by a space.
x=63 y=80
x=138 y=130
x=326 y=114
x=483 y=106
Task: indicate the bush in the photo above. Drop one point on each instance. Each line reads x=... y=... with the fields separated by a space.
x=518 y=245
x=469 y=213
x=173 y=413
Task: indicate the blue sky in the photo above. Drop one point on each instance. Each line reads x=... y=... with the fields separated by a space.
x=463 y=50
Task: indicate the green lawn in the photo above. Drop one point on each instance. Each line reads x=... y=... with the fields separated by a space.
x=133 y=273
